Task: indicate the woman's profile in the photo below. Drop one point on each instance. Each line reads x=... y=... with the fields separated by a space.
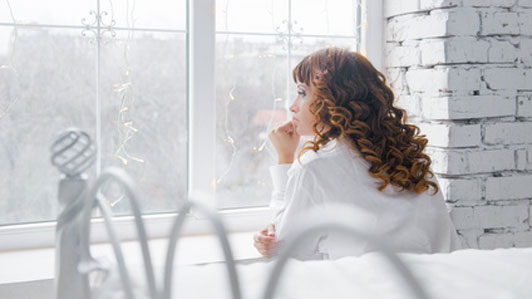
x=361 y=153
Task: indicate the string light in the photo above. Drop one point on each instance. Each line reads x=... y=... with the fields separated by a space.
x=125 y=128
x=261 y=147
x=228 y=139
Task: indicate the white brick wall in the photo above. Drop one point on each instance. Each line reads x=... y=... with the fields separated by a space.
x=508 y=78
x=512 y=187
x=501 y=51
x=463 y=190
x=524 y=106
x=454 y=50
x=442 y=80
x=451 y=135
x=490 y=3
x=471 y=161
x=463 y=70
x=470 y=107
x=491 y=217
x=523 y=158
x=525 y=3
x=508 y=133
x=499 y=22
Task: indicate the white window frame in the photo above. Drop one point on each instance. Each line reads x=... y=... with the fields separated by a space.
x=201 y=92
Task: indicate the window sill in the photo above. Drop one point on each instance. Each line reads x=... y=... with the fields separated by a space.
x=26 y=273
x=42 y=235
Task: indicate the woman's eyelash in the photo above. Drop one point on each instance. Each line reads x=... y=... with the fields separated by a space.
x=301 y=92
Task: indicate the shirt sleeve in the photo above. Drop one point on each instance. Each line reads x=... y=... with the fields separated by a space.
x=279 y=174
x=294 y=194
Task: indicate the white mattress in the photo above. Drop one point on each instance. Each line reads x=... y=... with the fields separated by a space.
x=469 y=273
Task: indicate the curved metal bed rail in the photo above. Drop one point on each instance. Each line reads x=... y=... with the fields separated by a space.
x=222 y=237
x=92 y=200
x=337 y=221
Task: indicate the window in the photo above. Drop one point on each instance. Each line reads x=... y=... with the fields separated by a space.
x=258 y=43
x=182 y=107
x=123 y=82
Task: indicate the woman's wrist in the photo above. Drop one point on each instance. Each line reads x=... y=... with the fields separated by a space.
x=286 y=159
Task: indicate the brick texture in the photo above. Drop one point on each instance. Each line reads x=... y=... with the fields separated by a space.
x=462 y=70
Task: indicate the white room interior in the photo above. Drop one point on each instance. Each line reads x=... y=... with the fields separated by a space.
x=182 y=94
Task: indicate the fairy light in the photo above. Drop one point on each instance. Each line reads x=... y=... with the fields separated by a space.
x=227 y=134
x=125 y=127
x=228 y=139
x=261 y=147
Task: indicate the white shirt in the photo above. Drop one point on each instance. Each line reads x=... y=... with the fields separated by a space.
x=338 y=174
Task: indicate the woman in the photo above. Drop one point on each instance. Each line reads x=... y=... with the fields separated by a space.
x=362 y=153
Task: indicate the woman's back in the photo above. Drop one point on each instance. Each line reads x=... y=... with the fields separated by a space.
x=338 y=174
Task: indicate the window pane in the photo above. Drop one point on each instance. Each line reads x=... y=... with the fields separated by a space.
x=250 y=76
x=251 y=15
x=47 y=84
x=143 y=95
x=139 y=14
x=63 y=12
x=160 y=14
x=304 y=46
x=251 y=100
x=324 y=17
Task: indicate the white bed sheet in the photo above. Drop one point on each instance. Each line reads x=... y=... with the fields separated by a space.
x=469 y=273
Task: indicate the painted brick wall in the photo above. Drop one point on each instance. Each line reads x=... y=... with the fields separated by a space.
x=463 y=70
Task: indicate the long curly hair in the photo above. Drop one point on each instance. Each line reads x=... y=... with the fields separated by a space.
x=351 y=99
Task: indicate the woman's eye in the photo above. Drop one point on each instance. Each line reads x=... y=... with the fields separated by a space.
x=301 y=93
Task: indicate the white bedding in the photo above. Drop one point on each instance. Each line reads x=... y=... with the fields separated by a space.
x=469 y=273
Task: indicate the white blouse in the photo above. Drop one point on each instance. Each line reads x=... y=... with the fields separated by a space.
x=338 y=174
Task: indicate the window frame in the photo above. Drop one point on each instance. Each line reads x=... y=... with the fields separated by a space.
x=200 y=37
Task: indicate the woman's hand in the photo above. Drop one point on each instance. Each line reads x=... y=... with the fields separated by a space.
x=265 y=242
x=285 y=139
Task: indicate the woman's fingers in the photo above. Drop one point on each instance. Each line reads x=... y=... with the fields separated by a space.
x=265 y=245
x=287 y=127
x=261 y=238
x=270 y=230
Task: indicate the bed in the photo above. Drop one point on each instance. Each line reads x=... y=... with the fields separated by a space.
x=469 y=273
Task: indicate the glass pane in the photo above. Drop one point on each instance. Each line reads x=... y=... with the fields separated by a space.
x=47 y=84
x=144 y=128
x=64 y=12
x=160 y=14
x=304 y=46
x=251 y=15
x=250 y=100
x=324 y=17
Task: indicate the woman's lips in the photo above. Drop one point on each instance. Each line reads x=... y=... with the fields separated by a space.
x=294 y=119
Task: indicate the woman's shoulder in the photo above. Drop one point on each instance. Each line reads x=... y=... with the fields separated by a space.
x=332 y=155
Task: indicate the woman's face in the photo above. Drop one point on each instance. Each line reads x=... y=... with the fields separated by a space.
x=302 y=117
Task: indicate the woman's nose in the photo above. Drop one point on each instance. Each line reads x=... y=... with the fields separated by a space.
x=294 y=106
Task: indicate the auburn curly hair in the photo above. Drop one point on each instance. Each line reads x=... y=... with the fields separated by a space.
x=352 y=100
